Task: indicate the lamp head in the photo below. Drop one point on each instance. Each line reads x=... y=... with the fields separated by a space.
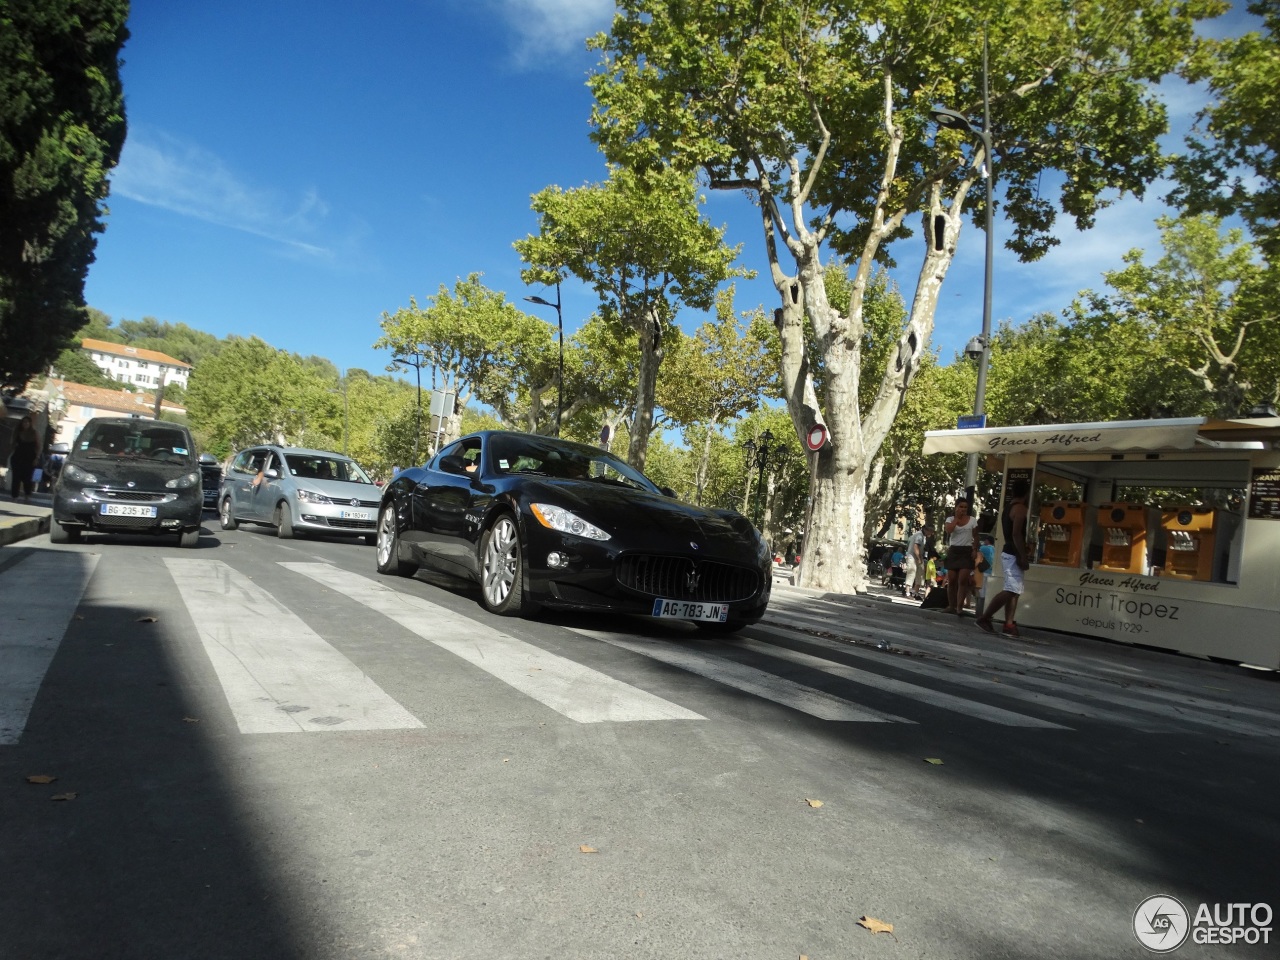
x=540 y=300
x=952 y=120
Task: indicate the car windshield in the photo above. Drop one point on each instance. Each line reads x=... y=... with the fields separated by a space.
x=319 y=467
x=543 y=456
x=141 y=440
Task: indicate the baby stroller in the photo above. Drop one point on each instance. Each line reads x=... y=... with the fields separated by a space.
x=898 y=578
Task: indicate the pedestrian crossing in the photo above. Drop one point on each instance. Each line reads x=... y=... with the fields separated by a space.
x=280 y=674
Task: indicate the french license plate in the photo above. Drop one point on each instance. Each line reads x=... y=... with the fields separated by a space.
x=688 y=610
x=127 y=510
x=355 y=515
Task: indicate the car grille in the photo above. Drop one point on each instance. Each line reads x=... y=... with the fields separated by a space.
x=137 y=523
x=131 y=496
x=684 y=578
x=353 y=524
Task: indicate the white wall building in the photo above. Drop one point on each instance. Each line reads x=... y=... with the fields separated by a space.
x=134 y=365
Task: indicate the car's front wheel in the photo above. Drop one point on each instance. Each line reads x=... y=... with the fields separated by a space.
x=388 y=545
x=502 y=569
x=60 y=534
x=226 y=516
x=284 y=521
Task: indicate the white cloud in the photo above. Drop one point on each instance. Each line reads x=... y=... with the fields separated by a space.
x=546 y=29
x=162 y=171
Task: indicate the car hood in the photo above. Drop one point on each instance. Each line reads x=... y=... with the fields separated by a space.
x=341 y=490
x=616 y=509
x=119 y=471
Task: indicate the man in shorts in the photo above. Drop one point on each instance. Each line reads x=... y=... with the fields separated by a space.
x=1014 y=559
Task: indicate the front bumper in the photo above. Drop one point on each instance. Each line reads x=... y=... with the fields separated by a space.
x=99 y=509
x=601 y=577
x=336 y=518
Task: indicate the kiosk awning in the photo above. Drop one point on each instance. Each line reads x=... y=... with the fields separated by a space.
x=1187 y=433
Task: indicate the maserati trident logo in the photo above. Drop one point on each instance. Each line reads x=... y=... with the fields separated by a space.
x=692 y=577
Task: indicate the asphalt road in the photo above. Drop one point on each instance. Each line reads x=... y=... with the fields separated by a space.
x=266 y=750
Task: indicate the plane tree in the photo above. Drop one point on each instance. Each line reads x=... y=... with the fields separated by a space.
x=640 y=242
x=821 y=114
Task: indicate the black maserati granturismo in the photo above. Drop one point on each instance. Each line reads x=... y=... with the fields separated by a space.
x=539 y=521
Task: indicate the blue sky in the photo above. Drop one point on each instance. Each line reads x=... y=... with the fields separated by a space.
x=293 y=169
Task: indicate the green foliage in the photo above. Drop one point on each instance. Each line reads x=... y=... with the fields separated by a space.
x=74 y=364
x=640 y=242
x=1233 y=164
x=62 y=127
x=473 y=341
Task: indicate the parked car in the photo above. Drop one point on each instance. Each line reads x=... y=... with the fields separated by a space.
x=53 y=460
x=210 y=480
x=544 y=522
x=295 y=490
x=128 y=475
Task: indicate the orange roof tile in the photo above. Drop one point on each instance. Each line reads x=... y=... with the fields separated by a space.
x=104 y=398
x=133 y=353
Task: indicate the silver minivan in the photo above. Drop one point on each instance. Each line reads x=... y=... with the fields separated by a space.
x=294 y=490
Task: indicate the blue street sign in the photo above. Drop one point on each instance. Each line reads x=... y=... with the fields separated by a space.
x=971 y=421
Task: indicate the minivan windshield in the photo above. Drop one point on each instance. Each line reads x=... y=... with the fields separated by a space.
x=134 y=440
x=317 y=467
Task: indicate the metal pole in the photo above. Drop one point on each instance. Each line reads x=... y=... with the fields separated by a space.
x=980 y=401
x=417 y=423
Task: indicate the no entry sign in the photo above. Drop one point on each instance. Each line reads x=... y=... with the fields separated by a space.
x=816 y=438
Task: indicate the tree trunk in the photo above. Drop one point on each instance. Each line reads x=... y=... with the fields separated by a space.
x=651 y=353
x=704 y=462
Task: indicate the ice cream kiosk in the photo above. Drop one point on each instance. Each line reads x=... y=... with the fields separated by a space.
x=1153 y=532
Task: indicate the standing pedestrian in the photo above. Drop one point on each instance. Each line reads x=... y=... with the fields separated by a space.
x=961 y=528
x=917 y=561
x=1014 y=559
x=986 y=561
x=26 y=453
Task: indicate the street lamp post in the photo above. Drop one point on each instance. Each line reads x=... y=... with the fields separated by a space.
x=757 y=456
x=416 y=363
x=560 y=338
x=978 y=346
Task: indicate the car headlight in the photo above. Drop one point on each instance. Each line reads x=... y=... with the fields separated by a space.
x=76 y=475
x=184 y=482
x=558 y=518
x=310 y=496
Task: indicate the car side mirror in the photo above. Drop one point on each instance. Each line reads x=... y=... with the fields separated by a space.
x=272 y=474
x=668 y=492
x=453 y=464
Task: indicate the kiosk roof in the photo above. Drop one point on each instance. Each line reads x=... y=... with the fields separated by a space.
x=1186 y=433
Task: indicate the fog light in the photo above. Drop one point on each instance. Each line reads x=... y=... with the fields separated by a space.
x=557 y=560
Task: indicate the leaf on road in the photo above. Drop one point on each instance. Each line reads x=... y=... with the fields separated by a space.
x=934 y=760
x=190 y=720
x=41 y=778
x=63 y=796
x=585 y=849
x=876 y=926
x=147 y=620
x=814 y=803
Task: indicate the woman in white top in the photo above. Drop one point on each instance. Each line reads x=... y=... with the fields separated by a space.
x=961 y=529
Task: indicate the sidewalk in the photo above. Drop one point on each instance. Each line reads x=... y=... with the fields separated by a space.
x=19 y=520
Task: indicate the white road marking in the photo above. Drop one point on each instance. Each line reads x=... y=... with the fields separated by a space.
x=34 y=619
x=901 y=688
x=279 y=675
x=1094 y=698
x=797 y=696
x=569 y=688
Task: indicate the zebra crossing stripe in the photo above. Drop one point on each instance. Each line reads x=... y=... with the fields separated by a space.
x=279 y=675
x=571 y=689
x=935 y=698
x=761 y=683
x=35 y=619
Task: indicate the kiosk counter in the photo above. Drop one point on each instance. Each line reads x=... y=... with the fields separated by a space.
x=1164 y=533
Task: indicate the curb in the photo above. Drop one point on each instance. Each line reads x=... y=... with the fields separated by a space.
x=23 y=529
